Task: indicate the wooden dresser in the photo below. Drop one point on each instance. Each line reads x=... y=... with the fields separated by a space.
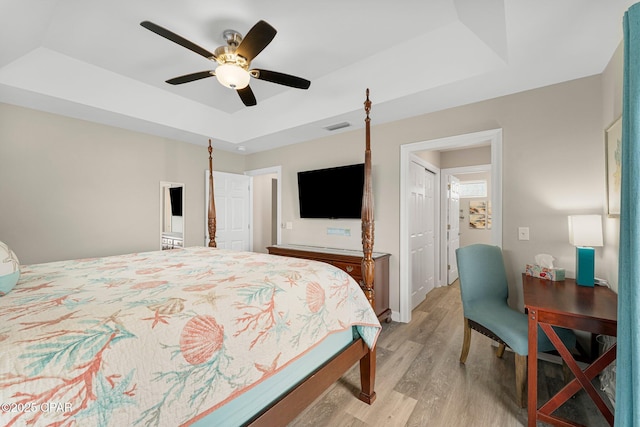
x=351 y=262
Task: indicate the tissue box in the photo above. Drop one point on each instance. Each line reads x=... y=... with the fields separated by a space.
x=553 y=274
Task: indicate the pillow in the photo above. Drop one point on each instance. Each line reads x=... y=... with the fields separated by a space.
x=9 y=269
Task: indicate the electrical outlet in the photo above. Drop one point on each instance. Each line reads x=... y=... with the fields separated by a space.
x=523 y=233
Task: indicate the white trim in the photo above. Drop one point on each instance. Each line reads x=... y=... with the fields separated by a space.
x=494 y=137
x=468 y=169
x=266 y=171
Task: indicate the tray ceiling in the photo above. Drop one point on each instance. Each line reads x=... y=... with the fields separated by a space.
x=92 y=60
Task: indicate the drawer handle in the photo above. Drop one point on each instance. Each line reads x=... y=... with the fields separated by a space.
x=349 y=269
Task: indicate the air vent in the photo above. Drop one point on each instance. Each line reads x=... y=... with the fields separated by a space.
x=337 y=126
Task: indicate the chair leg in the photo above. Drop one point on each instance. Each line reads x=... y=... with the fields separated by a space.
x=521 y=380
x=500 y=350
x=466 y=343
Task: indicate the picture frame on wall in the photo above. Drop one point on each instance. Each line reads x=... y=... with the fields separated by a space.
x=478 y=221
x=613 y=151
x=478 y=214
x=477 y=207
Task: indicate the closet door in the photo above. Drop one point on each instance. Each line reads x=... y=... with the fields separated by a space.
x=422 y=232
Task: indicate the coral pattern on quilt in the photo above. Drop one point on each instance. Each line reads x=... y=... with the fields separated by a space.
x=161 y=338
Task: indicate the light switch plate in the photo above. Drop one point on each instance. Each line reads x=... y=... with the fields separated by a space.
x=523 y=233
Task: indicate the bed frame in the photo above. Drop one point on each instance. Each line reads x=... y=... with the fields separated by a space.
x=287 y=407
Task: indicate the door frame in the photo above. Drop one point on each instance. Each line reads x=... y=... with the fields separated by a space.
x=494 y=138
x=268 y=171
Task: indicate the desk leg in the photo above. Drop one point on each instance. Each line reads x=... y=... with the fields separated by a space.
x=583 y=378
x=532 y=369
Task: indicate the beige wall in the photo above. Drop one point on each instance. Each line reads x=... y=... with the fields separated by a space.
x=612 y=109
x=72 y=189
x=307 y=156
x=465 y=157
x=432 y=157
x=553 y=166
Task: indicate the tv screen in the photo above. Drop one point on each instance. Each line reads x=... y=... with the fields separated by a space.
x=331 y=193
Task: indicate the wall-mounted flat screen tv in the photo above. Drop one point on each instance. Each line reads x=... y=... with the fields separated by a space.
x=331 y=193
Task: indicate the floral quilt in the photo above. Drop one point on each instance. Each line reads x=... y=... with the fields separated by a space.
x=162 y=338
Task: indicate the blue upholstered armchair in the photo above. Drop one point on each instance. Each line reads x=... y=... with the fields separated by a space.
x=484 y=291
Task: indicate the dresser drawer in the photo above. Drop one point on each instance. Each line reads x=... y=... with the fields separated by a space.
x=354 y=270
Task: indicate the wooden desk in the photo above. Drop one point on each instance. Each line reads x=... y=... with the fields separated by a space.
x=572 y=306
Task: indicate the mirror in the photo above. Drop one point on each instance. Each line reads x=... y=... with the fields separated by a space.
x=171 y=215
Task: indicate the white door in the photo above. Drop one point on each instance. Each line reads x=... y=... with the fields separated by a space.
x=430 y=230
x=233 y=194
x=422 y=232
x=453 y=227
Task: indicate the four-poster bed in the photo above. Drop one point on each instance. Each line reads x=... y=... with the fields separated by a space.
x=287 y=407
x=189 y=336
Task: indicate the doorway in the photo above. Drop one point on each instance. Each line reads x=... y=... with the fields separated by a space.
x=493 y=138
x=266 y=217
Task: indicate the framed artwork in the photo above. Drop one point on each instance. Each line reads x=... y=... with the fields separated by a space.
x=478 y=221
x=478 y=214
x=613 y=151
x=477 y=207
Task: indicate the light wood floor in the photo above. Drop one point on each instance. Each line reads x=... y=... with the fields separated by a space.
x=420 y=381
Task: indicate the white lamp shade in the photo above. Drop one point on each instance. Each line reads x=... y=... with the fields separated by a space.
x=585 y=230
x=232 y=76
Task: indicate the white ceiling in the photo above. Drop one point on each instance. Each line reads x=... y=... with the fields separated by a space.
x=92 y=60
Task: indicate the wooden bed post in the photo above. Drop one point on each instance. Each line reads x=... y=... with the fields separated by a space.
x=367 y=214
x=368 y=363
x=211 y=217
x=289 y=406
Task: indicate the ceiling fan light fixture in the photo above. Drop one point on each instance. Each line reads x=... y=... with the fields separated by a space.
x=232 y=76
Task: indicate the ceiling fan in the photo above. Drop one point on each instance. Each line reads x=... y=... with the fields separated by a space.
x=233 y=60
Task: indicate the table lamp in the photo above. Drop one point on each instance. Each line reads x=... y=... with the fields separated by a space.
x=585 y=231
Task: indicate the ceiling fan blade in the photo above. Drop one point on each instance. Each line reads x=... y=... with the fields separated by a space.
x=247 y=96
x=177 y=39
x=190 y=77
x=281 y=78
x=258 y=37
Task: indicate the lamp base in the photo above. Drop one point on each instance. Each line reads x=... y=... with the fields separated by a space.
x=585 y=266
